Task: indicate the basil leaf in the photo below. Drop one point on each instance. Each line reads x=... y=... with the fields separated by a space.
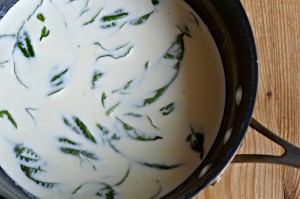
x=114 y=17
x=103 y=98
x=80 y=128
x=141 y=20
x=58 y=81
x=41 y=17
x=45 y=33
x=133 y=134
x=79 y=153
x=84 y=130
x=124 y=88
x=155 y=2
x=160 y=166
x=96 y=77
x=24 y=44
x=175 y=52
x=93 y=18
x=9 y=117
x=107 y=191
x=167 y=109
x=196 y=140
x=29 y=156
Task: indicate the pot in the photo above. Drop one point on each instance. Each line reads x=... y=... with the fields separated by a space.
x=231 y=30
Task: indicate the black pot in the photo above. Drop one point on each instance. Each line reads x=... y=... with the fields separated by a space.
x=231 y=30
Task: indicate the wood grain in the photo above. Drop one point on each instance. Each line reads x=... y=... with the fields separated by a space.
x=276 y=28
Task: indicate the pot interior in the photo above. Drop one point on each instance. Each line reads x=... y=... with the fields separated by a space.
x=230 y=28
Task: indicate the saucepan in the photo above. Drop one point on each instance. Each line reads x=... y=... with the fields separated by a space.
x=231 y=30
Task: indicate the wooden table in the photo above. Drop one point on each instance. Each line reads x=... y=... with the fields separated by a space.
x=276 y=27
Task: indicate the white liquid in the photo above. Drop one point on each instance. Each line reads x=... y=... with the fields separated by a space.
x=197 y=94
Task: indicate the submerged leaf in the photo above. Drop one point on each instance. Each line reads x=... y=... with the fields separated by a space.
x=196 y=141
x=141 y=20
x=30 y=157
x=160 y=166
x=93 y=18
x=133 y=134
x=112 y=109
x=167 y=109
x=24 y=44
x=79 y=153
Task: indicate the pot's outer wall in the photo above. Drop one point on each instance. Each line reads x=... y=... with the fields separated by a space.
x=231 y=30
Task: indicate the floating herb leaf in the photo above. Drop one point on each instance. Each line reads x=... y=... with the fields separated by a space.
x=112 y=109
x=158 y=192
x=79 y=153
x=167 y=109
x=141 y=20
x=45 y=33
x=41 y=17
x=133 y=134
x=147 y=65
x=185 y=30
x=107 y=191
x=67 y=141
x=155 y=2
x=80 y=128
x=9 y=35
x=109 y=139
x=57 y=81
x=124 y=89
x=26 y=154
x=196 y=141
x=28 y=110
x=29 y=156
x=9 y=117
x=176 y=52
x=124 y=178
x=55 y=91
x=133 y=115
x=160 y=166
x=151 y=122
x=103 y=98
x=104 y=130
x=24 y=44
x=116 y=57
x=106 y=49
x=114 y=17
x=110 y=25
x=195 y=18
x=96 y=77
x=3 y=62
x=32 y=170
x=93 y=18
x=157 y=95
x=85 y=8
x=84 y=130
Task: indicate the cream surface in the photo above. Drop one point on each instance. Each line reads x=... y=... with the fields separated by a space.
x=106 y=99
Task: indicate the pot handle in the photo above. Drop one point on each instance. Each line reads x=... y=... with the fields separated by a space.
x=290 y=157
